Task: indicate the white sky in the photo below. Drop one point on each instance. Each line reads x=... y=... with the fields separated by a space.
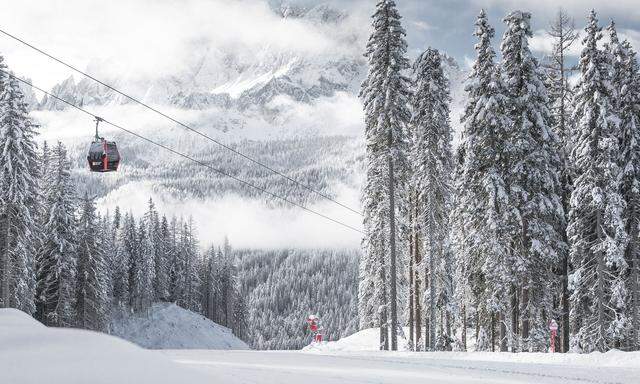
x=137 y=38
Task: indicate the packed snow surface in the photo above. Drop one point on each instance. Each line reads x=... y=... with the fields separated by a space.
x=280 y=367
x=31 y=353
x=167 y=326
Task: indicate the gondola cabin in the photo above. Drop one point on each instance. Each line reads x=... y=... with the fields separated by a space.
x=103 y=156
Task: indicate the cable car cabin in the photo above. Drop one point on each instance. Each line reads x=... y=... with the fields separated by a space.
x=103 y=156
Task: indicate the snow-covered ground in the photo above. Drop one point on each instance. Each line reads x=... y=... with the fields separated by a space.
x=168 y=326
x=277 y=367
x=356 y=359
x=31 y=353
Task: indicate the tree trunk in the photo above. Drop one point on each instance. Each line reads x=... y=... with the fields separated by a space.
x=411 y=276
x=493 y=332
x=514 y=319
x=448 y=330
x=427 y=326
x=432 y=291
x=503 y=333
x=416 y=289
x=565 y=304
x=600 y=289
x=393 y=298
x=384 y=330
x=635 y=301
x=464 y=328
x=525 y=320
x=6 y=261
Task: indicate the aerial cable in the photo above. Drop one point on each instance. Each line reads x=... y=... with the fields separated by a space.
x=249 y=184
x=172 y=119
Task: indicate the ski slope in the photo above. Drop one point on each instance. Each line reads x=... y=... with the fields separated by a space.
x=278 y=367
x=31 y=353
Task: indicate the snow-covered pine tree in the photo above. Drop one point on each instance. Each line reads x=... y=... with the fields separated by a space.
x=91 y=298
x=107 y=242
x=144 y=273
x=122 y=261
x=596 y=226
x=163 y=250
x=562 y=31
x=129 y=257
x=626 y=88
x=18 y=198
x=372 y=286
x=240 y=314
x=484 y=214
x=229 y=290
x=210 y=284
x=533 y=181
x=431 y=157
x=151 y=220
x=175 y=266
x=385 y=94
x=189 y=259
x=55 y=300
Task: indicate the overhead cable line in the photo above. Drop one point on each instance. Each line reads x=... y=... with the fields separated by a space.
x=174 y=120
x=263 y=190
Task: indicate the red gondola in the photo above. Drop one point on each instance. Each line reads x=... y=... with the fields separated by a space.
x=103 y=155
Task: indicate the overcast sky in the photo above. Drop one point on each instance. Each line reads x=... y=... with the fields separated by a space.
x=153 y=35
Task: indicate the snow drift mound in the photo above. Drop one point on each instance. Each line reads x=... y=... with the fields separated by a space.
x=169 y=326
x=365 y=340
x=31 y=353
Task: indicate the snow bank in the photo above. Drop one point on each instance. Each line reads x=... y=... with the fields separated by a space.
x=31 y=353
x=168 y=326
x=365 y=340
x=368 y=341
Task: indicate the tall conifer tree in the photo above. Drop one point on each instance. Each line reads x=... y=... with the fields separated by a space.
x=385 y=95
x=596 y=226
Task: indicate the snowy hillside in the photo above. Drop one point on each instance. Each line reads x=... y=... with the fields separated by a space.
x=31 y=353
x=168 y=326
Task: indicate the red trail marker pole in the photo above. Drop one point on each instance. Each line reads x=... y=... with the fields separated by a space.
x=553 y=327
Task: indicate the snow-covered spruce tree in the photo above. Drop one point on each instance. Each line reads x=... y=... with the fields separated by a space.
x=596 y=226
x=122 y=260
x=144 y=273
x=163 y=243
x=55 y=300
x=158 y=249
x=626 y=88
x=91 y=297
x=210 y=284
x=431 y=157
x=372 y=284
x=385 y=94
x=533 y=181
x=107 y=242
x=229 y=290
x=240 y=314
x=129 y=256
x=562 y=31
x=484 y=215
x=175 y=266
x=18 y=199
x=188 y=261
